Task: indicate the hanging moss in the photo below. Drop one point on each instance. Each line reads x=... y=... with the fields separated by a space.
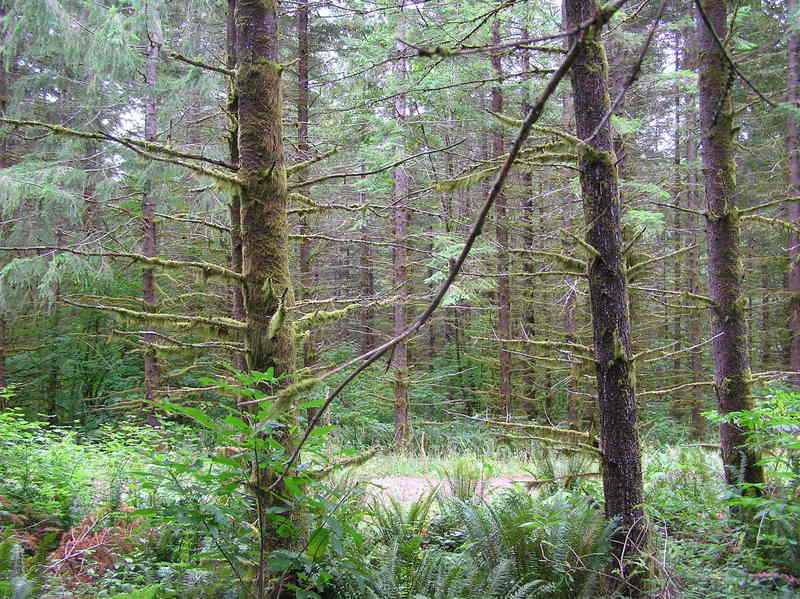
x=318 y=318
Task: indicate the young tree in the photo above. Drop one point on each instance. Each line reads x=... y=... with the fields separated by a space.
x=400 y=223
x=793 y=149
x=620 y=453
x=731 y=348
x=152 y=370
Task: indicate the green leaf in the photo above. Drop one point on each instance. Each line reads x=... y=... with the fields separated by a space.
x=194 y=413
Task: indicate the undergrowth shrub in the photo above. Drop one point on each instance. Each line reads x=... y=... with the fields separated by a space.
x=772 y=428
x=44 y=473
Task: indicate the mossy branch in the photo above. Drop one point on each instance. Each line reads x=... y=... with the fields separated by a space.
x=677 y=388
x=590 y=249
x=633 y=241
x=130 y=142
x=381 y=169
x=573 y=141
x=201 y=65
x=539 y=155
x=218 y=323
x=238 y=347
x=700 y=298
x=300 y=166
x=573 y=265
x=561 y=433
x=207 y=268
x=775 y=222
x=701 y=213
x=318 y=318
x=195 y=221
x=644 y=263
x=752 y=209
x=356 y=460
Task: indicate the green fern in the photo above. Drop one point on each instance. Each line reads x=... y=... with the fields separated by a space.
x=524 y=547
x=152 y=591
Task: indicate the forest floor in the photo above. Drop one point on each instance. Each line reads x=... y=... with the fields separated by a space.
x=407 y=489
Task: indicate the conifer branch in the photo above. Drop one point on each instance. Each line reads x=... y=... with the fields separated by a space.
x=745 y=211
x=644 y=263
x=776 y=222
x=677 y=388
x=147 y=146
x=208 y=268
x=575 y=265
x=701 y=213
x=217 y=323
x=300 y=166
x=201 y=65
x=196 y=221
x=381 y=169
x=239 y=347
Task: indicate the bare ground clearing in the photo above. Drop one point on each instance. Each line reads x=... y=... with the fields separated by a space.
x=410 y=488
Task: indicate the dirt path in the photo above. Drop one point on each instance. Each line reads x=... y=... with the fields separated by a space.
x=410 y=488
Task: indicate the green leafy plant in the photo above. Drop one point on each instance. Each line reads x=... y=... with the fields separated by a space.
x=772 y=427
x=41 y=476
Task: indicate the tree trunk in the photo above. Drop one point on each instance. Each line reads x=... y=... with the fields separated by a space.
x=793 y=149
x=267 y=286
x=730 y=348
x=3 y=164
x=152 y=369
x=620 y=457
x=500 y=204
x=400 y=218
x=367 y=284
x=698 y=421
x=3 y=379
x=303 y=147
x=678 y=406
x=237 y=298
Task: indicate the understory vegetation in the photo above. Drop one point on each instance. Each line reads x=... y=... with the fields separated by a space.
x=128 y=512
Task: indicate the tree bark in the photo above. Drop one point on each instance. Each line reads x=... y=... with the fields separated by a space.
x=303 y=147
x=367 y=285
x=267 y=286
x=400 y=219
x=698 y=421
x=501 y=234
x=730 y=347
x=3 y=164
x=793 y=149
x=620 y=457
x=237 y=298
x=152 y=369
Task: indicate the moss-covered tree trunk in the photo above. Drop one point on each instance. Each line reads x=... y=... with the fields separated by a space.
x=237 y=298
x=400 y=223
x=303 y=147
x=366 y=279
x=725 y=272
x=620 y=457
x=3 y=164
x=152 y=369
x=267 y=287
x=793 y=149
x=501 y=235
x=698 y=421
x=3 y=342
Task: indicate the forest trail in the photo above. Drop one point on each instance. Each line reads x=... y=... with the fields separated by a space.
x=407 y=489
